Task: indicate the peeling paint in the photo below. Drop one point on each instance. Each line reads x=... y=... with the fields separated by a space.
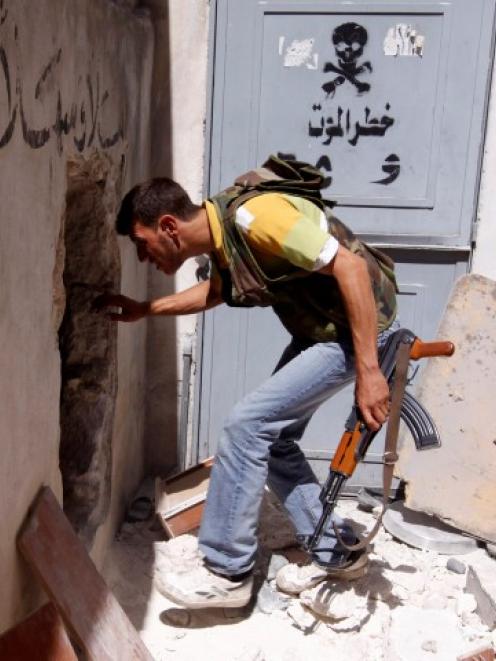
x=299 y=53
x=403 y=40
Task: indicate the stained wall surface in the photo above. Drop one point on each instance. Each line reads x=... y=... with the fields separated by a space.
x=75 y=88
x=178 y=151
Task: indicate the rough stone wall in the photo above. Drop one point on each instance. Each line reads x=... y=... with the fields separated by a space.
x=88 y=342
x=75 y=81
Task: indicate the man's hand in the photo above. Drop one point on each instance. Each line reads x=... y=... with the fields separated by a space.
x=131 y=310
x=372 y=397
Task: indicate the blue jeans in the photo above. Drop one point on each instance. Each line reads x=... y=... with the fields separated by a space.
x=259 y=445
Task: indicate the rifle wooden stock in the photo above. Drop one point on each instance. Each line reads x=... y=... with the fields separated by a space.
x=346 y=456
x=430 y=349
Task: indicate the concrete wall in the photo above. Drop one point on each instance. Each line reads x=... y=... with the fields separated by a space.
x=484 y=262
x=75 y=80
x=178 y=151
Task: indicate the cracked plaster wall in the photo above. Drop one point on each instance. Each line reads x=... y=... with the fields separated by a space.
x=75 y=81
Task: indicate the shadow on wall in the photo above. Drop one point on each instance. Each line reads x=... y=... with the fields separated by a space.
x=161 y=421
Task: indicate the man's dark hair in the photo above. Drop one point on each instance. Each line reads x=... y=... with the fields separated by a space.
x=148 y=201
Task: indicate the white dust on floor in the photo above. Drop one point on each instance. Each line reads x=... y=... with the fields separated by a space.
x=409 y=607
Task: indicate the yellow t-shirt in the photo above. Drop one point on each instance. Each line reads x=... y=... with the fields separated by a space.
x=279 y=229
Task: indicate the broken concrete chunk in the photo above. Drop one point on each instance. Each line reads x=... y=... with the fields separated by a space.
x=481 y=582
x=366 y=501
x=277 y=562
x=456 y=391
x=456 y=566
x=269 y=600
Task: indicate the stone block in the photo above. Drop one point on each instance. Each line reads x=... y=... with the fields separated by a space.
x=457 y=482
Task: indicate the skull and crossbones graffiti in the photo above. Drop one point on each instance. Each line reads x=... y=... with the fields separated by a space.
x=349 y=40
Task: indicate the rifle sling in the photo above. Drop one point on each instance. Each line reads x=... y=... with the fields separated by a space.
x=390 y=454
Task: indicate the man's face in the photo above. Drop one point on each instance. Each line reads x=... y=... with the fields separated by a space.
x=157 y=245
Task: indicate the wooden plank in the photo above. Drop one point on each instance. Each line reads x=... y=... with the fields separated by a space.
x=179 y=500
x=40 y=636
x=90 y=611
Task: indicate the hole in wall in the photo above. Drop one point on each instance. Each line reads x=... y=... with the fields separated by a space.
x=88 y=343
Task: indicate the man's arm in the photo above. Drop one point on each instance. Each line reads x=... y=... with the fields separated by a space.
x=352 y=277
x=198 y=298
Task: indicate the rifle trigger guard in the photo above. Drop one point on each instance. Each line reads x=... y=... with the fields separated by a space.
x=390 y=458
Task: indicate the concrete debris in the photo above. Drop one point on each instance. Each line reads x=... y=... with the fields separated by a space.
x=270 y=600
x=408 y=607
x=277 y=562
x=481 y=582
x=366 y=501
x=456 y=566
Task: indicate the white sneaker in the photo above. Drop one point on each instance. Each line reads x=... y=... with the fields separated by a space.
x=200 y=588
x=293 y=579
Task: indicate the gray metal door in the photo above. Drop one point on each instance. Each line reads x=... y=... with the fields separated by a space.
x=389 y=100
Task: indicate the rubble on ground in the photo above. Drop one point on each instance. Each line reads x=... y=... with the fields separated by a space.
x=412 y=605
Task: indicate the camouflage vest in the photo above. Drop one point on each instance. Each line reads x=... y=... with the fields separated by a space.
x=308 y=304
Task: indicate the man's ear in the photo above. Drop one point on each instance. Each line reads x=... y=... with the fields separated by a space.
x=168 y=225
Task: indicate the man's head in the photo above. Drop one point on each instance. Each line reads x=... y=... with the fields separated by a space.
x=152 y=214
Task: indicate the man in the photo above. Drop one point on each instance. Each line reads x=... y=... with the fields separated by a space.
x=332 y=296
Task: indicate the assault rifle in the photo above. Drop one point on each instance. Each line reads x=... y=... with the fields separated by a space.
x=394 y=357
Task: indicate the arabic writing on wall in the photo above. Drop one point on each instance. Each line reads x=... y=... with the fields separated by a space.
x=82 y=118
